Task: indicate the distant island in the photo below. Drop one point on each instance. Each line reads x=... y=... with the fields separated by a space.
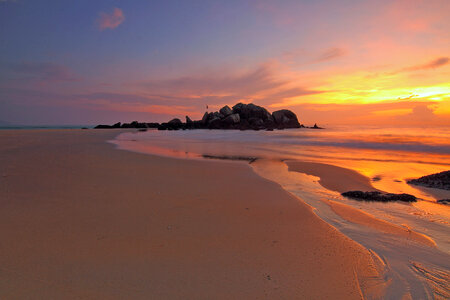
x=240 y=117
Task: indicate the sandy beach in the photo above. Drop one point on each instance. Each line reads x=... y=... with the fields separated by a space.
x=81 y=219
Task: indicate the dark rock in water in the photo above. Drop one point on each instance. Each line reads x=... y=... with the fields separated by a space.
x=197 y=124
x=256 y=122
x=444 y=201
x=142 y=129
x=269 y=124
x=189 y=123
x=376 y=178
x=101 y=126
x=204 y=118
x=214 y=123
x=316 y=127
x=285 y=118
x=379 y=196
x=134 y=124
x=437 y=181
x=117 y=125
x=163 y=126
x=175 y=123
x=250 y=159
x=226 y=111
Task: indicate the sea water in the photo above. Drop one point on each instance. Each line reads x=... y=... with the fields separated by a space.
x=388 y=156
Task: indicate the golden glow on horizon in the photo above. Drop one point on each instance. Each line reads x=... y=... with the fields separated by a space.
x=366 y=89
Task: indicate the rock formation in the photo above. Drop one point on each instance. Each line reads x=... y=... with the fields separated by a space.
x=437 y=181
x=240 y=117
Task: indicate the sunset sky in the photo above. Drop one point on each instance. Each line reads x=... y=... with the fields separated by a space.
x=331 y=62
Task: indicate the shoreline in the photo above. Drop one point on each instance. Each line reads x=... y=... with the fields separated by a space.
x=93 y=221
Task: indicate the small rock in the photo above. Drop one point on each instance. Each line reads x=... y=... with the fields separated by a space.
x=379 y=196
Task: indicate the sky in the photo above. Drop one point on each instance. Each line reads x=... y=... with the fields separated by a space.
x=349 y=62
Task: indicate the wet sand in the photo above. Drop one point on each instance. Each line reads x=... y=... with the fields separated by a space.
x=360 y=217
x=80 y=219
x=333 y=177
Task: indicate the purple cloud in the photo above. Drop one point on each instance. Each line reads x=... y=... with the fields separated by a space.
x=111 y=20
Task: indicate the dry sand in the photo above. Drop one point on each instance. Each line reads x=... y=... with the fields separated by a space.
x=80 y=219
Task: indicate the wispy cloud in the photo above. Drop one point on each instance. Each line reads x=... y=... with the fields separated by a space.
x=260 y=85
x=249 y=82
x=330 y=54
x=436 y=63
x=110 y=20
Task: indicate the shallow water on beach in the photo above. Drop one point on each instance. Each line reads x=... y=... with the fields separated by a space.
x=387 y=156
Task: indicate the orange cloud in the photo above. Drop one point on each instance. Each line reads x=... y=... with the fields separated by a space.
x=112 y=20
x=438 y=62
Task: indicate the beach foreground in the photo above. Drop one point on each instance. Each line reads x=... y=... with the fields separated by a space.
x=81 y=219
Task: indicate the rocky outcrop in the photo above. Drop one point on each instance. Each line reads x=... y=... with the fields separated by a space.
x=241 y=116
x=437 y=181
x=226 y=111
x=379 y=196
x=286 y=119
x=134 y=124
x=232 y=119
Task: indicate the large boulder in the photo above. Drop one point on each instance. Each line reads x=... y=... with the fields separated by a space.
x=232 y=119
x=175 y=124
x=226 y=111
x=247 y=111
x=218 y=115
x=285 y=118
x=256 y=123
